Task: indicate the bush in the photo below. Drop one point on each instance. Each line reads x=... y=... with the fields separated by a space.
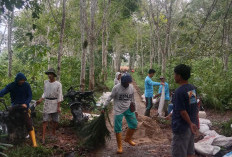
x=213 y=84
x=226 y=128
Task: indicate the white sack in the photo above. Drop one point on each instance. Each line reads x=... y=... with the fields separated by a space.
x=207 y=140
x=222 y=141
x=104 y=97
x=203 y=128
x=143 y=98
x=161 y=103
x=202 y=114
x=206 y=149
x=211 y=133
x=205 y=121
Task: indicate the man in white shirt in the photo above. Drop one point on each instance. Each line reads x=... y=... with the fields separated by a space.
x=52 y=97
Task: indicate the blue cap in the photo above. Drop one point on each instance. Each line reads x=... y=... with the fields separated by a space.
x=126 y=78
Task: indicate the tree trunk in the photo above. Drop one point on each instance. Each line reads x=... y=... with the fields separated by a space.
x=225 y=61
x=164 y=50
x=158 y=52
x=151 y=48
x=142 y=57
x=105 y=36
x=117 y=57
x=106 y=52
x=117 y=61
x=84 y=42
x=132 y=62
x=92 y=39
x=168 y=27
x=60 y=50
x=10 y=52
x=48 y=45
x=137 y=44
x=227 y=49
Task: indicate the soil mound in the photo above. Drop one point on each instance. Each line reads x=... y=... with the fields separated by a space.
x=148 y=131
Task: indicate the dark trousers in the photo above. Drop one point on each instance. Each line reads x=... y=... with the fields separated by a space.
x=148 y=106
x=22 y=114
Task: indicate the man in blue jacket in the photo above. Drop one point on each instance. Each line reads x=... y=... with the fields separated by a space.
x=21 y=95
x=149 y=90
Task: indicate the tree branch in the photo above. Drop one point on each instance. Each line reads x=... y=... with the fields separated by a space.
x=49 y=4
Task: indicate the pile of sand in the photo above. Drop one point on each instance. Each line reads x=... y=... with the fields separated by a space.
x=148 y=131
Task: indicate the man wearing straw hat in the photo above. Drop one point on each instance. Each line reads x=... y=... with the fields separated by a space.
x=52 y=97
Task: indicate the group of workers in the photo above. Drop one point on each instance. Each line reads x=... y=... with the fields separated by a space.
x=21 y=96
x=184 y=110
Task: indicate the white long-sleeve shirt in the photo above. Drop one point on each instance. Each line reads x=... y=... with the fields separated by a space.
x=122 y=98
x=52 y=90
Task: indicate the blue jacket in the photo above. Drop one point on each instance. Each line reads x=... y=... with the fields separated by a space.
x=20 y=94
x=166 y=88
x=149 y=87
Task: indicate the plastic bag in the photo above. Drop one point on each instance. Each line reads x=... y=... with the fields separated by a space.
x=205 y=121
x=203 y=128
x=207 y=140
x=104 y=97
x=143 y=98
x=222 y=141
x=228 y=154
x=161 y=103
x=211 y=133
x=206 y=149
x=154 y=101
x=202 y=114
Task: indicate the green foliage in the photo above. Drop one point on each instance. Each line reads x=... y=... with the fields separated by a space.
x=28 y=151
x=213 y=84
x=226 y=128
x=4 y=147
x=95 y=132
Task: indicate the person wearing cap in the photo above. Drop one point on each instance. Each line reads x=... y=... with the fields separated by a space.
x=124 y=106
x=117 y=79
x=149 y=91
x=167 y=94
x=21 y=95
x=52 y=97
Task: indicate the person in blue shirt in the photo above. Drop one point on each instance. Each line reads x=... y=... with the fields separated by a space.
x=167 y=94
x=185 y=114
x=149 y=91
x=21 y=95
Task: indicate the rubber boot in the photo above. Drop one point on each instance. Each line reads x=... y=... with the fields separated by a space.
x=33 y=139
x=119 y=142
x=129 y=135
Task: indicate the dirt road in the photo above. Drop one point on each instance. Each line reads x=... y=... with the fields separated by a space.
x=152 y=141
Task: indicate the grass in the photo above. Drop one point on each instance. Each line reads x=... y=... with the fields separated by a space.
x=226 y=128
x=28 y=151
x=110 y=83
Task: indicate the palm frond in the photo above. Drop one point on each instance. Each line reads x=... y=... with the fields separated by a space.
x=95 y=133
